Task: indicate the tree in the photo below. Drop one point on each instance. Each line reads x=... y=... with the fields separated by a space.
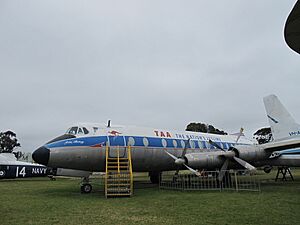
x=8 y=142
x=263 y=135
x=204 y=128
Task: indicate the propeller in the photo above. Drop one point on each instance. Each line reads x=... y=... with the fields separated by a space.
x=238 y=160
x=179 y=161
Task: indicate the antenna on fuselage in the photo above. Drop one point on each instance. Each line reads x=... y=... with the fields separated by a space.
x=108 y=123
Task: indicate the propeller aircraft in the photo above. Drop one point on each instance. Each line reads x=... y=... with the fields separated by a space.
x=153 y=150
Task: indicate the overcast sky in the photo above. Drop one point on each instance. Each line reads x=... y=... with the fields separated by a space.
x=150 y=63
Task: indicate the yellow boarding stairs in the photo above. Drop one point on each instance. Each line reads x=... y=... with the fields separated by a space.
x=118 y=176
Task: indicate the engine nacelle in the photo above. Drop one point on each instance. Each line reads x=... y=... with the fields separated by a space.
x=250 y=152
x=207 y=160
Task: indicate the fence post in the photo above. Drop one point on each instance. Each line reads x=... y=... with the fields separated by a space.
x=236 y=181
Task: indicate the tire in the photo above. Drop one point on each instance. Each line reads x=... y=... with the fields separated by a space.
x=267 y=169
x=86 y=188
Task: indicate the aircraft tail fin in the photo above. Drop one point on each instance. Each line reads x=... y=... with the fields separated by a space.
x=283 y=125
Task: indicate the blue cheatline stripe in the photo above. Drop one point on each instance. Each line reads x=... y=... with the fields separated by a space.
x=138 y=141
x=78 y=142
x=291 y=151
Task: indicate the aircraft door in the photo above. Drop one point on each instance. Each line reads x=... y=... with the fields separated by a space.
x=116 y=143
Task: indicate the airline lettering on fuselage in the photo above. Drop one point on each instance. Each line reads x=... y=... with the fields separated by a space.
x=162 y=134
x=39 y=170
x=185 y=136
x=74 y=142
x=196 y=137
x=294 y=133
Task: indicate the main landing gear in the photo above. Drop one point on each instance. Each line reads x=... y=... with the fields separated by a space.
x=155 y=177
x=267 y=169
x=85 y=186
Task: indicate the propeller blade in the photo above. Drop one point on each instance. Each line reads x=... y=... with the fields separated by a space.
x=173 y=156
x=215 y=144
x=187 y=142
x=244 y=164
x=239 y=135
x=192 y=170
x=223 y=170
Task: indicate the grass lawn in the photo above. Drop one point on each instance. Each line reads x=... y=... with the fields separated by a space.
x=41 y=201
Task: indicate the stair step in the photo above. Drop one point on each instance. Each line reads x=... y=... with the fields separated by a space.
x=116 y=158
x=110 y=190
x=114 y=194
x=124 y=176
x=118 y=193
x=119 y=184
x=114 y=166
x=114 y=179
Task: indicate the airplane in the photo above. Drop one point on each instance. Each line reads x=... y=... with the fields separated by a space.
x=11 y=168
x=83 y=145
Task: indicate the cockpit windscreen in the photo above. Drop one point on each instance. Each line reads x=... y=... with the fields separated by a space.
x=77 y=130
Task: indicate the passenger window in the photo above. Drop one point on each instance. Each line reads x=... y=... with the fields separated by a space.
x=192 y=144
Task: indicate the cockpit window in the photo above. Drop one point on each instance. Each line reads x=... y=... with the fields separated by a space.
x=80 y=131
x=73 y=130
x=77 y=130
x=85 y=130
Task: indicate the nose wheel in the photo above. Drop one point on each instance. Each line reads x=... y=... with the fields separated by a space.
x=85 y=186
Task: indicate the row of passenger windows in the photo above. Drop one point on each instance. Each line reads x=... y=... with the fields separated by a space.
x=153 y=142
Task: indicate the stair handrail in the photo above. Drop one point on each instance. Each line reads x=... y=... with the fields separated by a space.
x=130 y=168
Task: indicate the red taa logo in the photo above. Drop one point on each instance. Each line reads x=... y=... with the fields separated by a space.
x=162 y=134
x=114 y=133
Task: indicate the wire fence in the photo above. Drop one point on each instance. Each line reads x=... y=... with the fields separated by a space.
x=234 y=180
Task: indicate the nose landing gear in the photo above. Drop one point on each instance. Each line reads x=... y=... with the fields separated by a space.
x=85 y=186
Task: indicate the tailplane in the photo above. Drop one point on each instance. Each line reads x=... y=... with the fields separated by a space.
x=283 y=125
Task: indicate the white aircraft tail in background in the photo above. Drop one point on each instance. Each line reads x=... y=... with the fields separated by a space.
x=283 y=125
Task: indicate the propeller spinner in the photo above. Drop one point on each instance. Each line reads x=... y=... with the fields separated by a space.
x=179 y=161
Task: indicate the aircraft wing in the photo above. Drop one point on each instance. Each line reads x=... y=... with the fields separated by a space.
x=281 y=145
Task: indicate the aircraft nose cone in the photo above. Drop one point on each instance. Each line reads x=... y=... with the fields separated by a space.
x=41 y=155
